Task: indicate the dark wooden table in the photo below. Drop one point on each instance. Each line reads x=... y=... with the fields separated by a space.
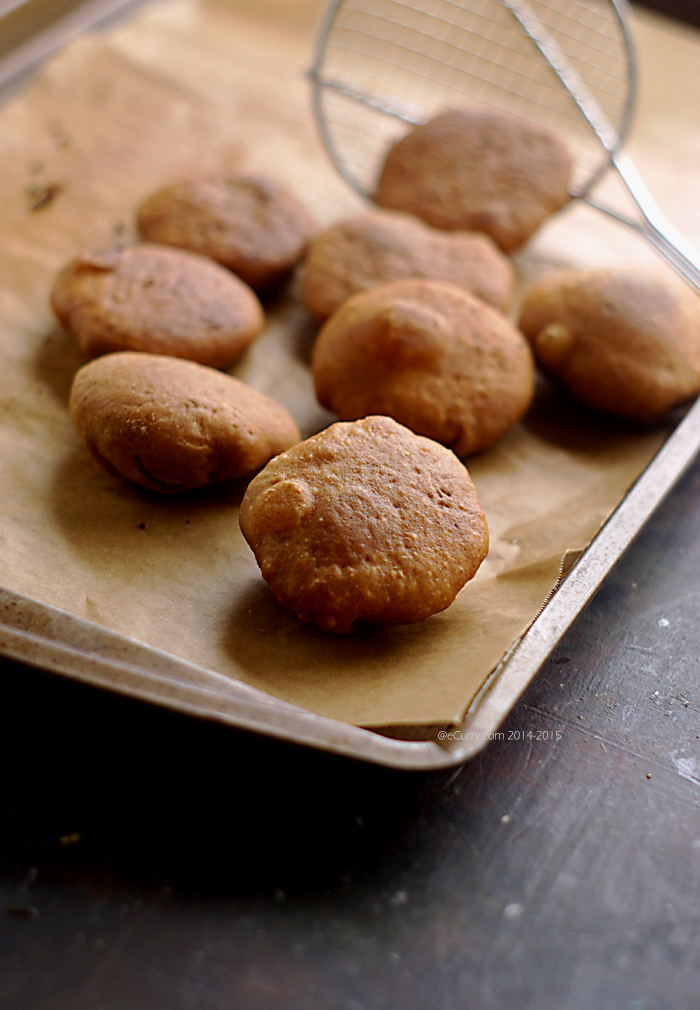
x=153 y=862
x=684 y=10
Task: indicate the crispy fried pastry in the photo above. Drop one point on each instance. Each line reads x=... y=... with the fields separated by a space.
x=476 y=170
x=621 y=341
x=431 y=356
x=365 y=522
x=159 y=300
x=172 y=425
x=380 y=247
x=251 y=224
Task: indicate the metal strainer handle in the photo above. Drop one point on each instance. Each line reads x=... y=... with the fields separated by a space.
x=655 y=226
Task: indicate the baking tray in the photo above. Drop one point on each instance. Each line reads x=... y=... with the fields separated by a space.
x=52 y=639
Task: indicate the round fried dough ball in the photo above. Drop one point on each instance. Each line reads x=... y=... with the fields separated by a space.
x=431 y=356
x=251 y=224
x=172 y=425
x=160 y=300
x=365 y=522
x=377 y=248
x=621 y=341
x=476 y=170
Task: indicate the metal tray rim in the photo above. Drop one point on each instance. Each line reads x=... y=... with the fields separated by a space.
x=193 y=690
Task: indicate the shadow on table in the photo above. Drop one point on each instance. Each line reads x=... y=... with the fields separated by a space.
x=162 y=800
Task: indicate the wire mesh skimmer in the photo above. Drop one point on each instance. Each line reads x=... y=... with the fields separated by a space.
x=382 y=66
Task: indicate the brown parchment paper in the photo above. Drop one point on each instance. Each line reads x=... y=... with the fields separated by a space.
x=182 y=88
